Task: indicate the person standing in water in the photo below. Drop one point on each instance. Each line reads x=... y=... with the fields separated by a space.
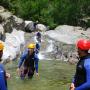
x=29 y=60
x=81 y=80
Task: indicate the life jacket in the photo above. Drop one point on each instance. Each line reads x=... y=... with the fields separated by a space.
x=29 y=61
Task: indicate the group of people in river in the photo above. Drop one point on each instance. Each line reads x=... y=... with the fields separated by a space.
x=29 y=61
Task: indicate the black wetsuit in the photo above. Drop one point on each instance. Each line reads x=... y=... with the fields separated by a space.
x=82 y=76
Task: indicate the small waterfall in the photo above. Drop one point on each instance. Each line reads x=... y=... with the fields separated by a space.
x=41 y=56
x=50 y=47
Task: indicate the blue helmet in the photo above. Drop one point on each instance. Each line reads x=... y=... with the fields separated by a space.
x=38 y=34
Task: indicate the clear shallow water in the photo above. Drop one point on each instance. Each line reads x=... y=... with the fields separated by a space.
x=54 y=75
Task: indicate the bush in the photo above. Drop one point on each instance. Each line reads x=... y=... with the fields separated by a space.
x=51 y=13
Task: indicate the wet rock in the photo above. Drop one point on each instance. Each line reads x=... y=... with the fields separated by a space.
x=41 y=27
x=88 y=29
x=2 y=9
x=18 y=23
x=10 y=21
x=5 y=15
x=2 y=34
x=14 y=22
x=29 y=26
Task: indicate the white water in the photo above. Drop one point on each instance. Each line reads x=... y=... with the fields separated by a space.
x=41 y=56
x=50 y=47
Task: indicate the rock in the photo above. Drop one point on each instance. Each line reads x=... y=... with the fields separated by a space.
x=65 y=27
x=67 y=34
x=27 y=22
x=88 y=29
x=1 y=29
x=29 y=26
x=65 y=38
x=2 y=9
x=7 y=26
x=78 y=28
x=41 y=27
x=14 y=22
x=18 y=23
x=2 y=34
x=10 y=21
x=5 y=15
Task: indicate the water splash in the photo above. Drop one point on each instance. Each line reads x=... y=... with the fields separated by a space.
x=50 y=47
x=41 y=56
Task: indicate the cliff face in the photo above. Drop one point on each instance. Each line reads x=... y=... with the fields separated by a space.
x=11 y=34
x=9 y=21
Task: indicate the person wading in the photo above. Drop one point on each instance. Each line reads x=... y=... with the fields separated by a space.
x=3 y=74
x=29 y=60
x=81 y=80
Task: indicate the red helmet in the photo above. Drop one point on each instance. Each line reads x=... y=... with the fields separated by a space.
x=83 y=44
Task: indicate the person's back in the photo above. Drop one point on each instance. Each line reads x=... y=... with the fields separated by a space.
x=38 y=34
x=3 y=82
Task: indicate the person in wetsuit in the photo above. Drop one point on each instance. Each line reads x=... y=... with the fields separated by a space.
x=29 y=60
x=3 y=74
x=81 y=79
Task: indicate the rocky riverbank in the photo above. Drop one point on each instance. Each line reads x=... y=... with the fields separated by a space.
x=56 y=44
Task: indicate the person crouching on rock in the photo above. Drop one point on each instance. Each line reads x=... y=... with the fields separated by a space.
x=29 y=60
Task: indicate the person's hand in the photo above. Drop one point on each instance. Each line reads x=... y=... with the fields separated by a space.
x=37 y=75
x=72 y=87
x=18 y=71
x=8 y=76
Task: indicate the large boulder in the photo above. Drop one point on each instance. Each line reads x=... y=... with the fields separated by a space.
x=41 y=27
x=27 y=22
x=14 y=22
x=64 y=38
x=7 y=26
x=88 y=29
x=10 y=21
x=67 y=34
x=2 y=34
x=29 y=26
x=1 y=10
x=18 y=23
x=5 y=15
x=1 y=29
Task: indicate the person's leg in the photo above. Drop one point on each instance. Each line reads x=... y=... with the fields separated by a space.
x=30 y=73
x=23 y=73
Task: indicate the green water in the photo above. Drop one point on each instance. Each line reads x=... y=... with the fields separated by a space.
x=54 y=75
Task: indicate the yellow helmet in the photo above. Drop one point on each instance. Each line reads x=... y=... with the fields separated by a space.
x=31 y=46
x=1 y=46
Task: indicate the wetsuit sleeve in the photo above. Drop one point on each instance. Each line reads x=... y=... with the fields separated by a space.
x=22 y=58
x=2 y=82
x=73 y=80
x=37 y=47
x=36 y=63
x=86 y=85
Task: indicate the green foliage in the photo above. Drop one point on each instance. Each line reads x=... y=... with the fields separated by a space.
x=50 y=12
